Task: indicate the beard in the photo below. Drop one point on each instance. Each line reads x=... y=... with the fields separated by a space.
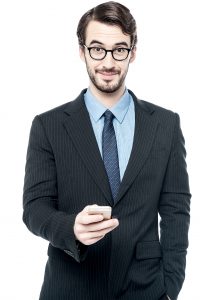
x=107 y=86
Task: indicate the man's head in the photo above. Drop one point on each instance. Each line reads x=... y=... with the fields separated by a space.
x=108 y=26
x=110 y=13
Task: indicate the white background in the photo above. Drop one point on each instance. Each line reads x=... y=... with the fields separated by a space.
x=40 y=69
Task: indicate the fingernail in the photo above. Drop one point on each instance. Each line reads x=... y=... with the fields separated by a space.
x=116 y=222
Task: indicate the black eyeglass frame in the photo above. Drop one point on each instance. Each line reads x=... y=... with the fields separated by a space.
x=106 y=51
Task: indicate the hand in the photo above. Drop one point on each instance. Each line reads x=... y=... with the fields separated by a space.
x=89 y=229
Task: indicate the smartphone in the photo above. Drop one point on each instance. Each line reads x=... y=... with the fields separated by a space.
x=104 y=210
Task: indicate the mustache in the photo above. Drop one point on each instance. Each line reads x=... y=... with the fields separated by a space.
x=110 y=70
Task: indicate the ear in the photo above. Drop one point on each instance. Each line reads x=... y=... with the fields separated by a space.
x=82 y=53
x=133 y=54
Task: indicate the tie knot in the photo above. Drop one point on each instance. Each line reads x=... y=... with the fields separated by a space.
x=108 y=115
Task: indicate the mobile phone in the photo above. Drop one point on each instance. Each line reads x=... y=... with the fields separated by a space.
x=104 y=210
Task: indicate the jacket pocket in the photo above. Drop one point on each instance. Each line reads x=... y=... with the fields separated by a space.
x=146 y=250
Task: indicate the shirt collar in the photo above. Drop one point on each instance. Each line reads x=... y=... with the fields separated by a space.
x=96 y=109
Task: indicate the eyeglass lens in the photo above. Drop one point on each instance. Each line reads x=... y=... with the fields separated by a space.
x=100 y=53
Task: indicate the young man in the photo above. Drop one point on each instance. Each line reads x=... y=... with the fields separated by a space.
x=108 y=148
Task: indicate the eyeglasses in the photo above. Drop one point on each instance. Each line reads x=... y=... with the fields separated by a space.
x=98 y=53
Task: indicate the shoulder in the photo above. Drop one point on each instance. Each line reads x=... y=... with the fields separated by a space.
x=59 y=113
x=152 y=108
x=165 y=117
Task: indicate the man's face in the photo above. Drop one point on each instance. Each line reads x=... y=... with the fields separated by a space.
x=107 y=75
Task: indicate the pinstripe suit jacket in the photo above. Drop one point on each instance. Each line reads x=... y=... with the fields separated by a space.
x=65 y=172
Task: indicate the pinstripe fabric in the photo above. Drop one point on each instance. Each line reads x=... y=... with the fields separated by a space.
x=65 y=172
x=110 y=154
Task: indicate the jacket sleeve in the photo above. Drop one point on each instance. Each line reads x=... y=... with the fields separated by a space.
x=174 y=209
x=40 y=195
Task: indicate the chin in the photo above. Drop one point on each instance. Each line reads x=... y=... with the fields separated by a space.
x=108 y=89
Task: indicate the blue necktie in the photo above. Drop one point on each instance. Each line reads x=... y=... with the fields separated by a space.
x=110 y=153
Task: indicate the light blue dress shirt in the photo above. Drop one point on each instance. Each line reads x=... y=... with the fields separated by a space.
x=124 y=124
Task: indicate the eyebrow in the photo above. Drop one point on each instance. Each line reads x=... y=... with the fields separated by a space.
x=116 y=44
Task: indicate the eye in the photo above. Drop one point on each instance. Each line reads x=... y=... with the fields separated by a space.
x=120 y=50
x=97 y=50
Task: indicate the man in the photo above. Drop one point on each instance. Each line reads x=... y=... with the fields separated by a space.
x=108 y=148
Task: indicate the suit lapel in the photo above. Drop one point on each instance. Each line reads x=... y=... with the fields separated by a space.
x=145 y=129
x=79 y=128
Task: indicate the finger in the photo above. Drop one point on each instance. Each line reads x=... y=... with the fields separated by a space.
x=92 y=241
x=88 y=219
x=96 y=234
x=103 y=225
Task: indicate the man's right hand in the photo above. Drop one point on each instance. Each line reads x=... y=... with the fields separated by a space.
x=89 y=229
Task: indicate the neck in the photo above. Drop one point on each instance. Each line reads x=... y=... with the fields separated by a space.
x=107 y=99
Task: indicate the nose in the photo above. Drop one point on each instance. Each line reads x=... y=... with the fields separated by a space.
x=108 y=61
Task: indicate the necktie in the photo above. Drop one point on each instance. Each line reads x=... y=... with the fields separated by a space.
x=110 y=154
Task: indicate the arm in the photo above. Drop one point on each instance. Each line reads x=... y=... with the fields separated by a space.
x=174 y=209
x=71 y=233
x=40 y=197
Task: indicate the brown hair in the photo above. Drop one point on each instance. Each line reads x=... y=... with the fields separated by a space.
x=111 y=13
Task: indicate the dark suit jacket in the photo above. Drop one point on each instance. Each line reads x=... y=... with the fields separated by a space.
x=65 y=172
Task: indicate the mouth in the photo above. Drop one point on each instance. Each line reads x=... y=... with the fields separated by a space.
x=108 y=74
